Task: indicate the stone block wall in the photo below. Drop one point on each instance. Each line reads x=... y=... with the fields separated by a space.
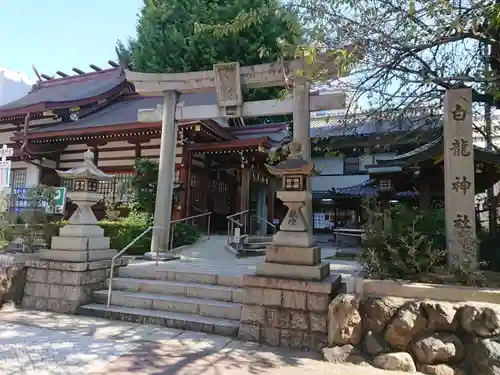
x=63 y=286
x=433 y=337
x=288 y=313
x=12 y=281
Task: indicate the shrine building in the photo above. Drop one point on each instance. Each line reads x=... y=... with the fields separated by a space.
x=219 y=162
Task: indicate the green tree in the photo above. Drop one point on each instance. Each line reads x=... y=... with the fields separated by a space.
x=169 y=40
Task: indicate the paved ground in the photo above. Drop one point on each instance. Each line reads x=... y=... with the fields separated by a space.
x=43 y=343
x=211 y=255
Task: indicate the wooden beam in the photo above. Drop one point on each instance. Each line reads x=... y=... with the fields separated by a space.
x=62 y=74
x=249 y=109
x=264 y=75
x=95 y=67
x=113 y=64
x=78 y=71
x=47 y=77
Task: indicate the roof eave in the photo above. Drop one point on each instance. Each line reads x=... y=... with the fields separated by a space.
x=48 y=106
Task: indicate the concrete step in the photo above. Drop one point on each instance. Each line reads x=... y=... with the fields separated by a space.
x=259 y=239
x=256 y=245
x=177 y=304
x=153 y=273
x=169 y=319
x=177 y=288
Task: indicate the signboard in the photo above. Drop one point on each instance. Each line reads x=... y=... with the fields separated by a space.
x=60 y=200
x=5 y=166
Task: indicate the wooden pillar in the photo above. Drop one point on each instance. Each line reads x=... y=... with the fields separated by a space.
x=166 y=175
x=270 y=203
x=188 y=188
x=425 y=195
x=246 y=177
x=185 y=166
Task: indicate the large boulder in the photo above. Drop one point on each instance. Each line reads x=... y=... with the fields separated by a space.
x=374 y=344
x=438 y=348
x=441 y=316
x=343 y=354
x=482 y=321
x=408 y=321
x=376 y=312
x=395 y=362
x=441 y=369
x=485 y=356
x=344 y=321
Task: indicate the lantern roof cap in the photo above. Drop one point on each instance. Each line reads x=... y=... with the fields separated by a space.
x=294 y=164
x=88 y=170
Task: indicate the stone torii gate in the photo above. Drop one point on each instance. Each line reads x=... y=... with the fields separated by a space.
x=228 y=79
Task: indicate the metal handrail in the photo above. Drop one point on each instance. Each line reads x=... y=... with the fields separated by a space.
x=132 y=243
x=267 y=222
x=173 y=222
x=231 y=222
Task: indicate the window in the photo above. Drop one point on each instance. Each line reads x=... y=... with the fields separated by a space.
x=351 y=165
x=18 y=178
x=115 y=189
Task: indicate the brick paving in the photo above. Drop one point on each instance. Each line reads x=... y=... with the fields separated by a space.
x=44 y=343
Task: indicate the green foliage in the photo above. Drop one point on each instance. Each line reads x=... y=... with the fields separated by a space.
x=33 y=224
x=167 y=41
x=170 y=39
x=125 y=230
x=144 y=186
x=143 y=197
x=414 y=245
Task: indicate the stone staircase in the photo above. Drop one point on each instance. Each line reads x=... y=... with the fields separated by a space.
x=254 y=245
x=177 y=299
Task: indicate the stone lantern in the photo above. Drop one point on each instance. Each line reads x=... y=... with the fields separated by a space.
x=84 y=194
x=294 y=173
x=286 y=301
x=82 y=235
x=79 y=259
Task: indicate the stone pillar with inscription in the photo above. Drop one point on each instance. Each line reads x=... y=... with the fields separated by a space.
x=459 y=172
x=79 y=259
x=286 y=301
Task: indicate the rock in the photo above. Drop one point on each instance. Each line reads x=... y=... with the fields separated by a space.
x=438 y=348
x=408 y=321
x=441 y=370
x=482 y=321
x=485 y=355
x=342 y=354
x=395 y=362
x=374 y=344
x=376 y=312
x=441 y=316
x=344 y=321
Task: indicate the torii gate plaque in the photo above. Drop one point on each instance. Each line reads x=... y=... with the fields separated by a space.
x=227 y=80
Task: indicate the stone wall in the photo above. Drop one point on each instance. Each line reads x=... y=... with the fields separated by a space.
x=442 y=338
x=12 y=280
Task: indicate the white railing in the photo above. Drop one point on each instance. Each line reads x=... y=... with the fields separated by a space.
x=174 y=222
x=233 y=221
x=132 y=243
x=264 y=221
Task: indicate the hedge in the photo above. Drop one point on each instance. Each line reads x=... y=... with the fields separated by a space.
x=123 y=231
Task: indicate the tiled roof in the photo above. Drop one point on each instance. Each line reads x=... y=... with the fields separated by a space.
x=366 y=189
x=363 y=125
x=434 y=149
x=64 y=92
x=124 y=111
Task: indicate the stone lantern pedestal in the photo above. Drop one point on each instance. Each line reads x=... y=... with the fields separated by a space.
x=286 y=301
x=79 y=259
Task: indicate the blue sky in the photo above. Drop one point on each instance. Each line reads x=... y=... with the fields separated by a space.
x=62 y=34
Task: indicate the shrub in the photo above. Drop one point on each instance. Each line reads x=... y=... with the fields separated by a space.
x=414 y=245
x=123 y=231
